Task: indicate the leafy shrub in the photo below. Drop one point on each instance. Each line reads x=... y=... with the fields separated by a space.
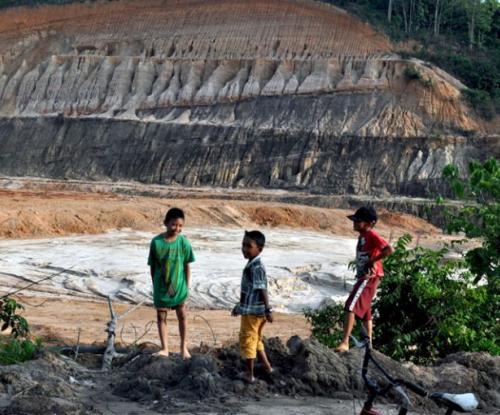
x=327 y=323
x=412 y=73
x=14 y=350
x=17 y=347
x=427 y=306
x=479 y=218
x=9 y=318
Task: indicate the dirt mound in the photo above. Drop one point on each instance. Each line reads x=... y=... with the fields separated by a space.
x=304 y=368
x=210 y=382
x=40 y=386
x=198 y=28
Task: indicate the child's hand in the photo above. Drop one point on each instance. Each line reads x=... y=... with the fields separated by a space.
x=269 y=316
x=171 y=291
x=236 y=310
x=370 y=268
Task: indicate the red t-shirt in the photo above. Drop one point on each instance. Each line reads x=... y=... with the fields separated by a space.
x=370 y=245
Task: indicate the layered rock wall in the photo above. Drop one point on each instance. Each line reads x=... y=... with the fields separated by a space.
x=372 y=89
x=288 y=93
x=215 y=155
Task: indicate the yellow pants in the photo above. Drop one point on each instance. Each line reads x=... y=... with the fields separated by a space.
x=251 y=336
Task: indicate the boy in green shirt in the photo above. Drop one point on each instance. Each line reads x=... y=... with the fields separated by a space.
x=170 y=254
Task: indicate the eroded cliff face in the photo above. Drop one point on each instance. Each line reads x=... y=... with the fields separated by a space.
x=288 y=93
x=217 y=155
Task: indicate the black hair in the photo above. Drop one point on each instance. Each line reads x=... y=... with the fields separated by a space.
x=256 y=236
x=173 y=213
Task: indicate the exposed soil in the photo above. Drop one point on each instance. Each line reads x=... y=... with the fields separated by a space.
x=63 y=321
x=309 y=378
x=27 y=213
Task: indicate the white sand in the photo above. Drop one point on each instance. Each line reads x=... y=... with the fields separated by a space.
x=304 y=268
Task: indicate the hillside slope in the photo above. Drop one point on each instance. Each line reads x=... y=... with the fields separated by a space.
x=289 y=93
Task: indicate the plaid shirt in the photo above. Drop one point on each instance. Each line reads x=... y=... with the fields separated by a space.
x=254 y=279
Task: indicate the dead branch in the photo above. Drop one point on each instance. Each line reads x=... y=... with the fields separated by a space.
x=110 y=351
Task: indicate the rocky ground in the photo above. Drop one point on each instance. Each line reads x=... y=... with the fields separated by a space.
x=310 y=379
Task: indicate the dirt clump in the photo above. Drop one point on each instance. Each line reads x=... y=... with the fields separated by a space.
x=41 y=386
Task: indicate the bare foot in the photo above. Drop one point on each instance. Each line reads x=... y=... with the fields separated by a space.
x=269 y=370
x=185 y=354
x=342 y=348
x=161 y=353
x=247 y=378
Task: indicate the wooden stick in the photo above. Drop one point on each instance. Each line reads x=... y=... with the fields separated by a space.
x=110 y=352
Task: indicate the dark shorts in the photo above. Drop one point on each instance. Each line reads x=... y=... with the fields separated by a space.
x=173 y=308
x=359 y=301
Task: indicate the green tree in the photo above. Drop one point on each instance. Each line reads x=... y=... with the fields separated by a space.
x=479 y=218
x=460 y=36
x=427 y=307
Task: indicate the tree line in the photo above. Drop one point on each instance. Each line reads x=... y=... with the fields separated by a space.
x=475 y=21
x=460 y=36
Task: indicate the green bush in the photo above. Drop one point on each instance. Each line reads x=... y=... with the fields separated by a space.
x=18 y=346
x=10 y=319
x=479 y=218
x=412 y=73
x=327 y=323
x=14 y=350
x=428 y=306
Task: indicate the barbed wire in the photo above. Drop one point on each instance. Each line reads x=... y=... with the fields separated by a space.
x=25 y=302
x=36 y=283
x=146 y=329
x=209 y=326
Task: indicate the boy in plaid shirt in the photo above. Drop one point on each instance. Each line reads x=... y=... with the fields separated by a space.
x=254 y=305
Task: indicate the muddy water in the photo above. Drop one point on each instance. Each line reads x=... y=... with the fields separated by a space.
x=304 y=268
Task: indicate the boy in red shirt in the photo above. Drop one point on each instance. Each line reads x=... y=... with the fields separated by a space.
x=371 y=249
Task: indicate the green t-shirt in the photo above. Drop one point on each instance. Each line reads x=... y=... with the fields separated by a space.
x=169 y=279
